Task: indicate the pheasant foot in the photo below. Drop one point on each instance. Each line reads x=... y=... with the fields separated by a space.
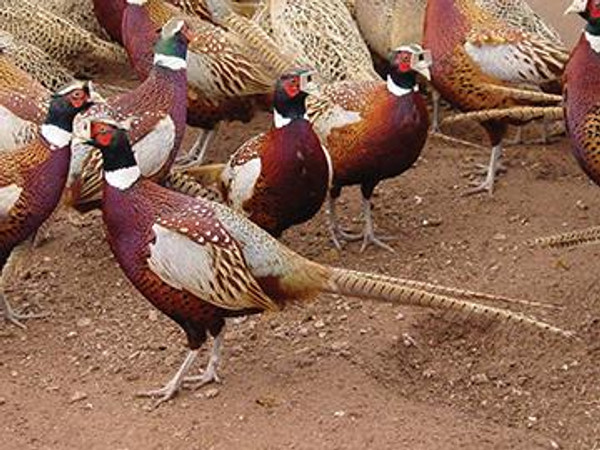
x=335 y=230
x=169 y=390
x=15 y=318
x=210 y=374
x=488 y=183
x=369 y=230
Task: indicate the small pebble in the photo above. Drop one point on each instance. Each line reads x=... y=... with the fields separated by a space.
x=77 y=397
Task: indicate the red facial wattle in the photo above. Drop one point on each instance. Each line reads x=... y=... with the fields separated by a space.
x=291 y=89
x=104 y=139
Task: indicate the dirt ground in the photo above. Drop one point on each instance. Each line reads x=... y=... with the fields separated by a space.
x=338 y=373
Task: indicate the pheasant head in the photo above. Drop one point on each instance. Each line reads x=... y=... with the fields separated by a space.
x=65 y=104
x=589 y=10
x=291 y=91
x=405 y=63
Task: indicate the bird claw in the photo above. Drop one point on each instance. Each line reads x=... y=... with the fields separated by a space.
x=15 y=318
x=371 y=239
x=165 y=393
x=207 y=377
x=485 y=186
x=482 y=170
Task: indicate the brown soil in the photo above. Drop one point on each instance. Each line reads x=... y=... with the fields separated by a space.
x=338 y=373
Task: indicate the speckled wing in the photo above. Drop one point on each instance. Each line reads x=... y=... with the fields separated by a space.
x=339 y=105
x=193 y=251
x=514 y=56
x=220 y=65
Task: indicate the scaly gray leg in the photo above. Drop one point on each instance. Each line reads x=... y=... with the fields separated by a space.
x=488 y=183
x=369 y=229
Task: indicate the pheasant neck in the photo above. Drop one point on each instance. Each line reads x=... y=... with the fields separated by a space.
x=287 y=109
x=120 y=167
x=592 y=35
x=55 y=135
x=170 y=62
x=402 y=84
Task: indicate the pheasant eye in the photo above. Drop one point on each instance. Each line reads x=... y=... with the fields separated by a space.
x=77 y=98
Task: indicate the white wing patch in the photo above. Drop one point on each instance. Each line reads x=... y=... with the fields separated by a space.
x=14 y=131
x=335 y=117
x=182 y=263
x=152 y=150
x=511 y=62
x=8 y=197
x=241 y=181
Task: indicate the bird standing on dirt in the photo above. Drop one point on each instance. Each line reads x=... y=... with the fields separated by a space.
x=199 y=262
x=228 y=79
x=158 y=111
x=279 y=178
x=373 y=130
x=32 y=177
x=582 y=112
x=477 y=62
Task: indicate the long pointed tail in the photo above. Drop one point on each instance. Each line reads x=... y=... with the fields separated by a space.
x=399 y=291
x=569 y=239
x=517 y=113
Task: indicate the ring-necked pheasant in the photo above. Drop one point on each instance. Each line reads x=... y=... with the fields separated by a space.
x=279 y=178
x=373 y=130
x=478 y=59
x=199 y=262
x=228 y=78
x=582 y=111
x=158 y=110
x=32 y=177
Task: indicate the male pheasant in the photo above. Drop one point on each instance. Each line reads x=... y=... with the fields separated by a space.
x=228 y=78
x=373 y=130
x=199 y=262
x=582 y=111
x=158 y=110
x=477 y=61
x=279 y=178
x=32 y=177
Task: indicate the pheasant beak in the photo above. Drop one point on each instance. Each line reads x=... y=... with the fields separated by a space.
x=421 y=62
x=577 y=7
x=95 y=97
x=308 y=83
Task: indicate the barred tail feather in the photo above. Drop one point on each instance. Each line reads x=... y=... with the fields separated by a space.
x=348 y=282
x=518 y=113
x=569 y=239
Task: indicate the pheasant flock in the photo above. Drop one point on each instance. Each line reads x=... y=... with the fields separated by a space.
x=346 y=83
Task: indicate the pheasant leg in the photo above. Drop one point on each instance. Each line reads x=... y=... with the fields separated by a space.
x=11 y=270
x=369 y=229
x=210 y=374
x=196 y=154
x=435 y=121
x=336 y=232
x=168 y=391
x=488 y=183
